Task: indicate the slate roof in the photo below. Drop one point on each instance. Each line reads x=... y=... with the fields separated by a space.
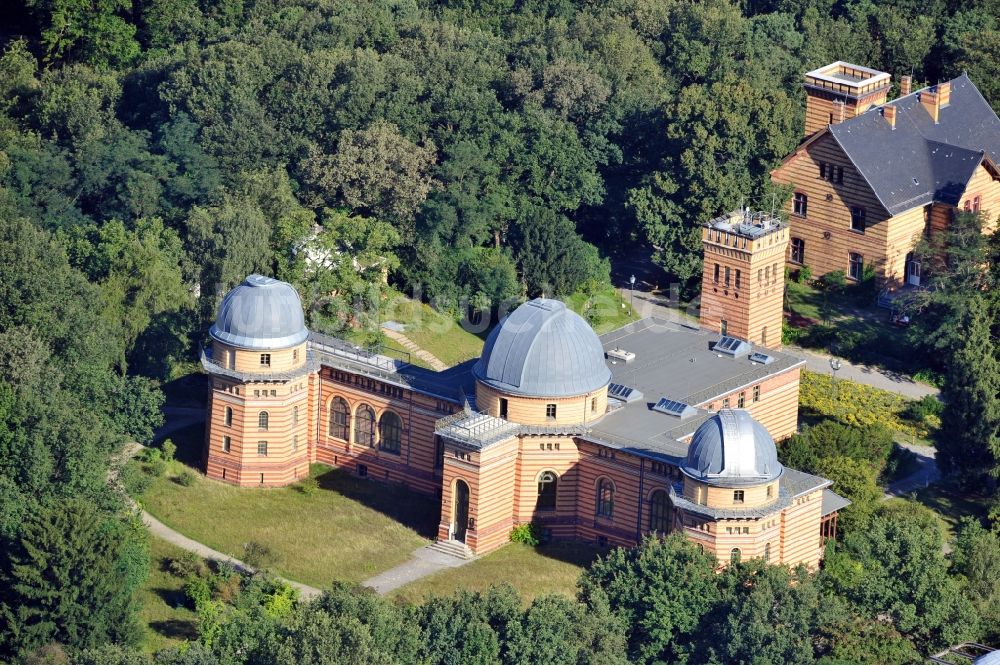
x=833 y=502
x=543 y=349
x=921 y=161
x=260 y=313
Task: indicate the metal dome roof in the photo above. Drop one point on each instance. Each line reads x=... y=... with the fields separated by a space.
x=992 y=658
x=260 y=313
x=732 y=448
x=543 y=349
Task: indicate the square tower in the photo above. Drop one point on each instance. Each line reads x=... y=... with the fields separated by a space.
x=840 y=91
x=743 y=280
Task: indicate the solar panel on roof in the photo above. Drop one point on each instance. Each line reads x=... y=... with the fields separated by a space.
x=673 y=408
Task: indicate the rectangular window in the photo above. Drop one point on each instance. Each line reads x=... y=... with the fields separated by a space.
x=737 y=278
x=756 y=394
x=503 y=407
x=438 y=452
x=823 y=170
x=274 y=393
x=716 y=273
x=741 y=400
x=550 y=411
x=858 y=219
x=770 y=491
x=856 y=266
x=839 y=175
x=265 y=360
x=800 y=204
x=725 y=403
x=227 y=444
x=738 y=496
x=727 y=275
x=798 y=251
x=295 y=442
x=593 y=405
x=262 y=448
x=724 y=327
x=256 y=393
x=295 y=355
x=977 y=202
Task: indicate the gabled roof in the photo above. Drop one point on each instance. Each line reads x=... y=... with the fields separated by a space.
x=921 y=161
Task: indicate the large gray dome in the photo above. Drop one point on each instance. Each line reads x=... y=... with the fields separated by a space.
x=260 y=313
x=731 y=448
x=543 y=349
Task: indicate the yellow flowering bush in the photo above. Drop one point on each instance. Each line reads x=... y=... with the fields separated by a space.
x=856 y=404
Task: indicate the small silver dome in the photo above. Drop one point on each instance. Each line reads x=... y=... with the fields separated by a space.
x=260 y=313
x=992 y=658
x=543 y=349
x=732 y=448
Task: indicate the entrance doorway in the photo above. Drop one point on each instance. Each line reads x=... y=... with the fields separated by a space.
x=460 y=511
x=912 y=270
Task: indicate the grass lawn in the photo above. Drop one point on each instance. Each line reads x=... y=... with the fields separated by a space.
x=163 y=613
x=603 y=310
x=350 y=529
x=952 y=503
x=533 y=571
x=436 y=332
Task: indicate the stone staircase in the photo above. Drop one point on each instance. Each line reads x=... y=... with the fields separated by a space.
x=455 y=548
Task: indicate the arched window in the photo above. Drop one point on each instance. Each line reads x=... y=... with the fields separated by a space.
x=548 y=485
x=340 y=423
x=734 y=555
x=659 y=512
x=767 y=552
x=605 y=498
x=364 y=426
x=390 y=428
x=229 y=416
x=262 y=420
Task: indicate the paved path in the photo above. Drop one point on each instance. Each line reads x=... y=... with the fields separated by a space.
x=927 y=472
x=878 y=377
x=410 y=346
x=424 y=562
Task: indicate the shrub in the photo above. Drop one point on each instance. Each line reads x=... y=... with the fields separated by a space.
x=156 y=468
x=185 y=479
x=804 y=275
x=856 y=404
x=835 y=280
x=309 y=486
x=528 y=533
x=152 y=455
x=134 y=480
x=187 y=564
x=790 y=334
x=919 y=410
x=197 y=591
x=930 y=377
x=256 y=555
x=169 y=449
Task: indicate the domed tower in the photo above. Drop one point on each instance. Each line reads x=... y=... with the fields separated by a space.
x=543 y=365
x=732 y=475
x=258 y=407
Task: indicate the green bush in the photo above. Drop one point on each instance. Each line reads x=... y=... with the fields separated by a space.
x=197 y=591
x=835 y=280
x=257 y=555
x=791 y=335
x=156 y=468
x=919 y=410
x=309 y=486
x=528 y=533
x=185 y=479
x=134 y=480
x=152 y=455
x=169 y=449
x=930 y=377
x=187 y=564
x=804 y=274
x=870 y=445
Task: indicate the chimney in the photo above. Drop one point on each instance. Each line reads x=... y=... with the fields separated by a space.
x=889 y=113
x=905 y=85
x=944 y=94
x=931 y=101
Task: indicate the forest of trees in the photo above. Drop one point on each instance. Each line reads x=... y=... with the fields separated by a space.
x=155 y=152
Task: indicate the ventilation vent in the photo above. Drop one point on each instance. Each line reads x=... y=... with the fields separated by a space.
x=624 y=393
x=674 y=408
x=761 y=358
x=620 y=354
x=732 y=346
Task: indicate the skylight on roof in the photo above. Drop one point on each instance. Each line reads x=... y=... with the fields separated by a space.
x=623 y=393
x=732 y=346
x=674 y=408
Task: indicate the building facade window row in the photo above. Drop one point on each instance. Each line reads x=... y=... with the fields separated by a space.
x=384 y=432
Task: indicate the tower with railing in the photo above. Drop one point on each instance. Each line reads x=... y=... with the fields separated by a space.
x=743 y=280
x=261 y=374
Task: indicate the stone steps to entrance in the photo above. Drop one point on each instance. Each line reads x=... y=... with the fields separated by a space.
x=455 y=548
